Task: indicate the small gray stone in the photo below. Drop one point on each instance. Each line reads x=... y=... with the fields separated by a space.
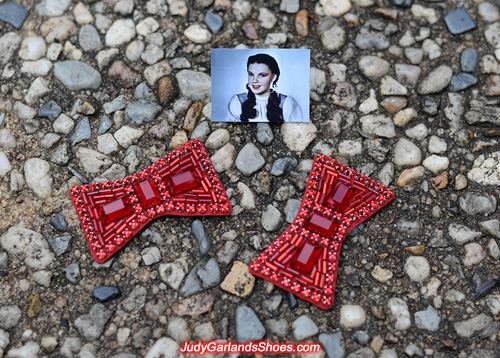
x=135 y=300
x=8 y=45
x=428 y=319
x=283 y=165
x=459 y=21
x=265 y=133
x=76 y=75
x=480 y=325
x=461 y=81
x=304 y=327
x=249 y=159
x=334 y=38
x=228 y=252
x=89 y=39
x=152 y=54
x=72 y=273
x=204 y=275
x=292 y=209
x=60 y=245
x=115 y=105
x=478 y=204
x=248 y=326
x=213 y=21
x=141 y=112
x=362 y=353
x=14 y=14
x=151 y=255
x=370 y=36
x=195 y=85
x=82 y=132
x=469 y=60
x=104 y=125
x=271 y=218
x=204 y=243
x=461 y=233
x=361 y=337
x=143 y=91
x=92 y=325
x=60 y=155
x=333 y=344
x=436 y=81
x=201 y=131
x=28 y=244
x=50 y=110
x=492 y=227
x=10 y=315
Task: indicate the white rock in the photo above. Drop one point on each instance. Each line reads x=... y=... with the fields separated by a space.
x=454 y=296
x=43 y=277
x=388 y=353
x=338 y=72
x=266 y=18
x=102 y=22
x=82 y=14
x=38 y=68
x=436 y=164
x=335 y=7
x=223 y=158
x=151 y=255
x=198 y=34
x=493 y=249
x=350 y=147
x=247 y=197
x=485 y=169
x=430 y=290
x=205 y=331
x=304 y=327
x=390 y=87
x=399 y=313
x=462 y=234
x=431 y=49
x=488 y=12
x=120 y=32
x=317 y=83
x=418 y=132
x=58 y=29
x=277 y=38
x=218 y=138
x=431 y=15
x=370 y=104
x=493 y=303
x=38 y=178
x=39 y=88
x=474 y=254
x=124 y=7
x=127 y=136
x=173 y=272
x=28 y=244
x=155 y=72
x=5 y=166
x=381 y=275
x=134 y=50
x=352 y=316
x=378 y=125
x=178 y=329
x=32 y=48
x=428 y=319
x=417 y=268
x=104 y=57
x=29 y=350
x=298 y=136
x=437 y=145
x=147 y=26
x=178 y=8
x=373 y=67
x=23 y=111
x=4 y=341
x=407 y=153
x=63 y=124
x=54 y=51
x=106 y=143
x=92 y=161
x=241 y=9
x=164 y=347
x=407 y=39
x=404 y=116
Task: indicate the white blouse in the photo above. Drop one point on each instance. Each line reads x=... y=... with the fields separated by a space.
x=291 y=110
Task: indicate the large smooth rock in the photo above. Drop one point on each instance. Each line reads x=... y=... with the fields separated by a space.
x=194 y=85
x=77 y=75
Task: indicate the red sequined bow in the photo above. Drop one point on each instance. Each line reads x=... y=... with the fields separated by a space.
x=184 y=182
x=304 y=259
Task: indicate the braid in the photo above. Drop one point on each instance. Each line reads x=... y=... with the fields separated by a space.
x=247 y=107
x=274 y=111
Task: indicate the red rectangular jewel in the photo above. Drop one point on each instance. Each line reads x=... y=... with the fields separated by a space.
x=307 y=258
x=115 y=210
x=148 y=194
x=321 y=225
x=182 y=182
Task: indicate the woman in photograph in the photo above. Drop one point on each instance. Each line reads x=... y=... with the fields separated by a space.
x=262 y=103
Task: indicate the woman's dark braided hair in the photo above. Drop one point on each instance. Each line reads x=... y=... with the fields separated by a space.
x=274 y=111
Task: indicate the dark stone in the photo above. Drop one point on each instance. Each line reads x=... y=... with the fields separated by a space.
x=59 y=223
x=283 y=166
x=82 y=132
x=469 y=60
x=213 y=21
x=65 y=323
x=461 y=81
x=361 y=337
x=291 y=301
x=14 y=14
x=459 y=21
x=402 y=3
x=79 y=175
x=430 y=105
x=106 y=293
x=203 y=240
x=60 y=245
x=104 y=125
x=50 y=110
x=486 y=287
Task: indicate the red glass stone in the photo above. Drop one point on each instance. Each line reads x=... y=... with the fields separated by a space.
x=183 y=182
x=336 y=200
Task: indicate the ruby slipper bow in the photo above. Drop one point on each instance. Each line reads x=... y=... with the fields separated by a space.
x=304 y=259
x=183 y=183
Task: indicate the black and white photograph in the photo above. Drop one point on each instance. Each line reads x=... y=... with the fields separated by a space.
x=260 y=85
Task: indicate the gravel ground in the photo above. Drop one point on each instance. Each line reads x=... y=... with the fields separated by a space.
x=403 y=92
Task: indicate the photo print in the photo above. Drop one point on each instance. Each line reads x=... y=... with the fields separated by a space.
x=260 y=85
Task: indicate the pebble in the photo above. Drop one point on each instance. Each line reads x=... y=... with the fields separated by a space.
x=488 y=12
x=8 y=45
x=492 y=86
x=82 y=132
x=76 y=75
x=362 y=353
x=32 y=48
x=152 y=54
x=154 y=308
x=271 y=218
x=480 y=325
x=462 y=81
x=197 y=34
x=370 y=104
x=82 y=14
x=7 y=140
x=204 y=275
x=38 y=178
x=115 y=105
x=469 y=60
x=120 y=32
x=275 y=38
x=459 y=21
x=406 y=153
x=334 y=38
x=5 y=166
x=194 y=85
x=485 y=288
x=298 y=136
x=141 y=111
x=239 y=281
x=264 y=134
x=178 y=329
x=72 y=273
x=50 y=110
x=249 y=159
x=248 y=326
x=135 y=300
x=107 y=144
x=134 y=50
x=167 y=91
x=249 y=30
x=58 y=29
x=228 y=252
x=247 y=197
x=350 y=148
x=461 y=233
x=474 y=254
x=335 y=7
x=473 y=203
x=89 y=39
x=178 y=8
x=390 y=87
x=436 y=164
x=60 y=245
x=431 y=49
x=173 y=272
x=10 y=315
x=404 y=116
x=106 y=293
x=194 y=306
x=151 y=255
x=204 y=242
x=14 y=14
x=126 y=136
x=408 y=75
x=333 y=344
x=394 y=104
x=219 y=138
x=123 y=75
x=378 y=125
x=417 y=268
x=163 y=347
x=437 y=145
x=437 y=80
x=38 y=89
x=302 y=23
x=428 y=319
x=91 y=325
x=213 y=21
x=283 y=165
x=373 y=67
x=369 y=37
x=381 y=275
x=92 y=161
x=59 y=223
x=492 y=227
x=30 y=349
x=399 y=313
x=147 y=26
x=223 y=158
x=352 y=316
